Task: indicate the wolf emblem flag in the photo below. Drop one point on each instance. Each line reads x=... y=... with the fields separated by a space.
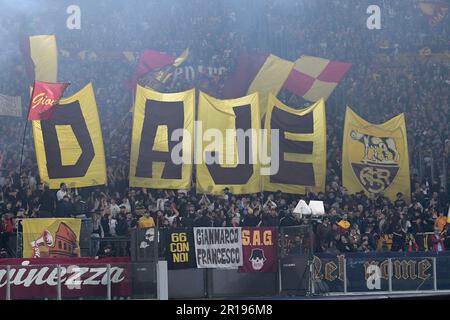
x=375 y=157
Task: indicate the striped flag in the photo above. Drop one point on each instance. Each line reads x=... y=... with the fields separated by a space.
x=314 y=78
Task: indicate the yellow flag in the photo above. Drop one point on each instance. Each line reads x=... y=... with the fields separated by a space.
x=161 y=157
x=375 y=157
x=270 y=79
x=44 y=54
x=51 y=238
x=298 y=161
x=69 y=146
x=183 y=56
x=225 y=155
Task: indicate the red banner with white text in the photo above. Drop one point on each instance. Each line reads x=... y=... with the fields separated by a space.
x=80 y=277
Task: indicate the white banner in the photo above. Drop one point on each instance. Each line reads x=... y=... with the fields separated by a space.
x=10 y=106
x=218 y=247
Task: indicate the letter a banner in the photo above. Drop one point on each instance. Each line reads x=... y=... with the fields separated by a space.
x=163 y=139
x=375 y=157
x=51 y=238
x=227 y=145
x=69 y=146
x=298 y=156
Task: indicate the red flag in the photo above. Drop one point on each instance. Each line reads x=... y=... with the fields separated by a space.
x=44 y=98
x=149 y=60
x=259 y=249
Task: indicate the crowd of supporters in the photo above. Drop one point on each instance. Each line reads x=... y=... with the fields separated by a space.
x=388 y=76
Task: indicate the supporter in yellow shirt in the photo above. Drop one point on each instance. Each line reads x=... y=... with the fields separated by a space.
x=440 y=222
x=146 y=221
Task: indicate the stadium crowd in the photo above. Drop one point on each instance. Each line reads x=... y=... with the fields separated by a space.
x=388 y=76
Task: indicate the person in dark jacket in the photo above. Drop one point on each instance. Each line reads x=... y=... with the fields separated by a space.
x=105 y=224
x=289 y=220
x=46 y=203
x=122 y=229
x=270 y=219
x=64 y=208
x=250 y=219
x=204 y=220
x=187 y=221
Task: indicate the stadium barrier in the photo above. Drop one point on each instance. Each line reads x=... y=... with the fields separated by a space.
x=299 y=272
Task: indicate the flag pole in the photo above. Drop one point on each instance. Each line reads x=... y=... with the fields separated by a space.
x=23 y=145
x=25 y=132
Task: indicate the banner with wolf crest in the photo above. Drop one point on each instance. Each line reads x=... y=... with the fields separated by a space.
x=375 y=157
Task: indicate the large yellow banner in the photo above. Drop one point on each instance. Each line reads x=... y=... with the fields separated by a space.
x=297 y=145
x=69 y=146
x=44 y=55
x=227 y=136
x=162 y=139
x=51 y=238
x=375 y=157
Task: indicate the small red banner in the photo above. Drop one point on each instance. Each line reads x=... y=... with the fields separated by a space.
x=44 y=98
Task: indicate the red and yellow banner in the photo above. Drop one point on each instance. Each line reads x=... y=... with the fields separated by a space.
x=51 y=238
